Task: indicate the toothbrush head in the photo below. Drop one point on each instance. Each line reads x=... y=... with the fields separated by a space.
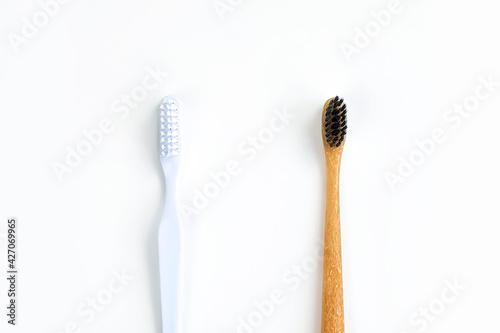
x=169 y=127
x=334 y=123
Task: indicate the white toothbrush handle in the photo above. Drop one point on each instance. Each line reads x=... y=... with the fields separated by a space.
x=170 y=248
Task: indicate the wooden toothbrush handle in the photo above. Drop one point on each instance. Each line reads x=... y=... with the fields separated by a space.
x=333 y=300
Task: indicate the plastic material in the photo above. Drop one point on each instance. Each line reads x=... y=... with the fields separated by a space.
x=170 y=231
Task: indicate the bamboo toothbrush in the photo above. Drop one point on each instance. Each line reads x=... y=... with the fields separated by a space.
x=170 y=237
x=334 y=127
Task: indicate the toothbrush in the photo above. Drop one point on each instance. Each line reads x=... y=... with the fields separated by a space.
x=170 y=233
x=334 y=127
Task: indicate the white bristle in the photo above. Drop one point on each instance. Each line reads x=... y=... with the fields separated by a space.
x=169 y=127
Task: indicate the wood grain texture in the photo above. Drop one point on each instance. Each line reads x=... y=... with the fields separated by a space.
x=333 y=298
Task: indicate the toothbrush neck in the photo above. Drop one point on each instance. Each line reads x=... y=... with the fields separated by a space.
x=171 y=172
x=170 y=165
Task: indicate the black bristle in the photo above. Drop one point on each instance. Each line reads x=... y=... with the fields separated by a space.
x=335 y=122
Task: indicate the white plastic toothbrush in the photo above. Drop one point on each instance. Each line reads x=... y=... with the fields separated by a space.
x=170 y=236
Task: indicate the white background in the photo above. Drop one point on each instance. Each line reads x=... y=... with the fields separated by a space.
x=400 y=247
